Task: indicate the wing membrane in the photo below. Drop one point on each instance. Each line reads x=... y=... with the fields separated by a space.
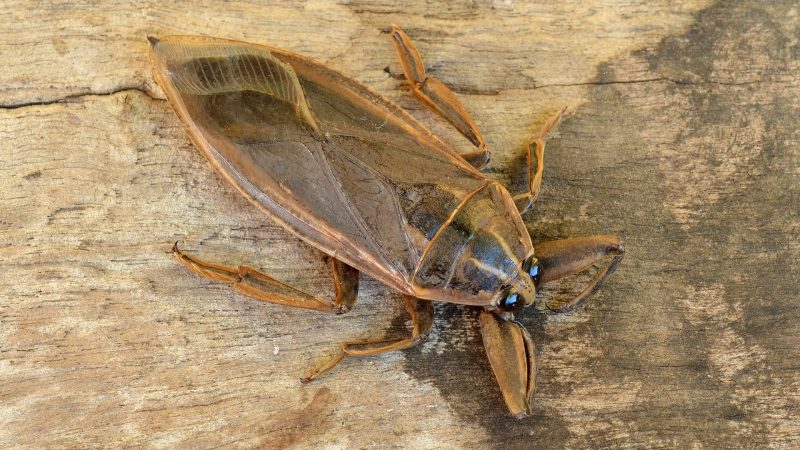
x=343 y=168
x=209 y=68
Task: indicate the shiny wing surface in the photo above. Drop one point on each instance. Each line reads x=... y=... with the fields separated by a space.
x=345 y=169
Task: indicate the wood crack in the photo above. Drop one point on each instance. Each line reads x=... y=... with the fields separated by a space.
x=653 y=80
x=461 y=90
x=71 y=97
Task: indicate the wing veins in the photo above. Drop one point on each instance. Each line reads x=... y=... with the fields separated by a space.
x=354 y=215
x=374 y=172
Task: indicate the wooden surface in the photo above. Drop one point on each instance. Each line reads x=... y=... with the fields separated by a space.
x=683 y=139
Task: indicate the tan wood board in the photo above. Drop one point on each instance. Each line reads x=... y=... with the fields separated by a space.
x=683 y=139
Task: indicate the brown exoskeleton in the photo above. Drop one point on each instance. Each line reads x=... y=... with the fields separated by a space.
x=354 y=175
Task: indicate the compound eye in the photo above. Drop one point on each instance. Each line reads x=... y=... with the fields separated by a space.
x=511 y=302
x=534 y=270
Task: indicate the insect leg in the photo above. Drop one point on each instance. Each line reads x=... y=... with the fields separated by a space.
x=513 y=358
x=421 y=312
x=261 y=286
x=535 y=161
x=438 y=96
x=564 y=257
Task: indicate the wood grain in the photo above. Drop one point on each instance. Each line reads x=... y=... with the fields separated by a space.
x=683 y=139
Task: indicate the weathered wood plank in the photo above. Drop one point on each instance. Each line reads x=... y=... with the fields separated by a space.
x=683 y=139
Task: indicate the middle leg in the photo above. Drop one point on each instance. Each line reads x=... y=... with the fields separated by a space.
x=535 y=162
x=421 y=312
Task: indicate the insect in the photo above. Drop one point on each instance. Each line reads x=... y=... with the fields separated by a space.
x=354 y=175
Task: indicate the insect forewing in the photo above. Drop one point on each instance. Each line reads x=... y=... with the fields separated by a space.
x=343 y=168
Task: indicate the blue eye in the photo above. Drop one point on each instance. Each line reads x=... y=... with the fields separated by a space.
x=511 y=302
x=534 y=269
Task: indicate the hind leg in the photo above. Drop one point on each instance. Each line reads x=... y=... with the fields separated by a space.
x=261 y=286
x=437 y=96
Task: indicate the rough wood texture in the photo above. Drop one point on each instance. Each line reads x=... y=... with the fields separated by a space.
x=683 y=139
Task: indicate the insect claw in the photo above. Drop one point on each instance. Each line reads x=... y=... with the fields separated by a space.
x=175 y=248
x=153 y=40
